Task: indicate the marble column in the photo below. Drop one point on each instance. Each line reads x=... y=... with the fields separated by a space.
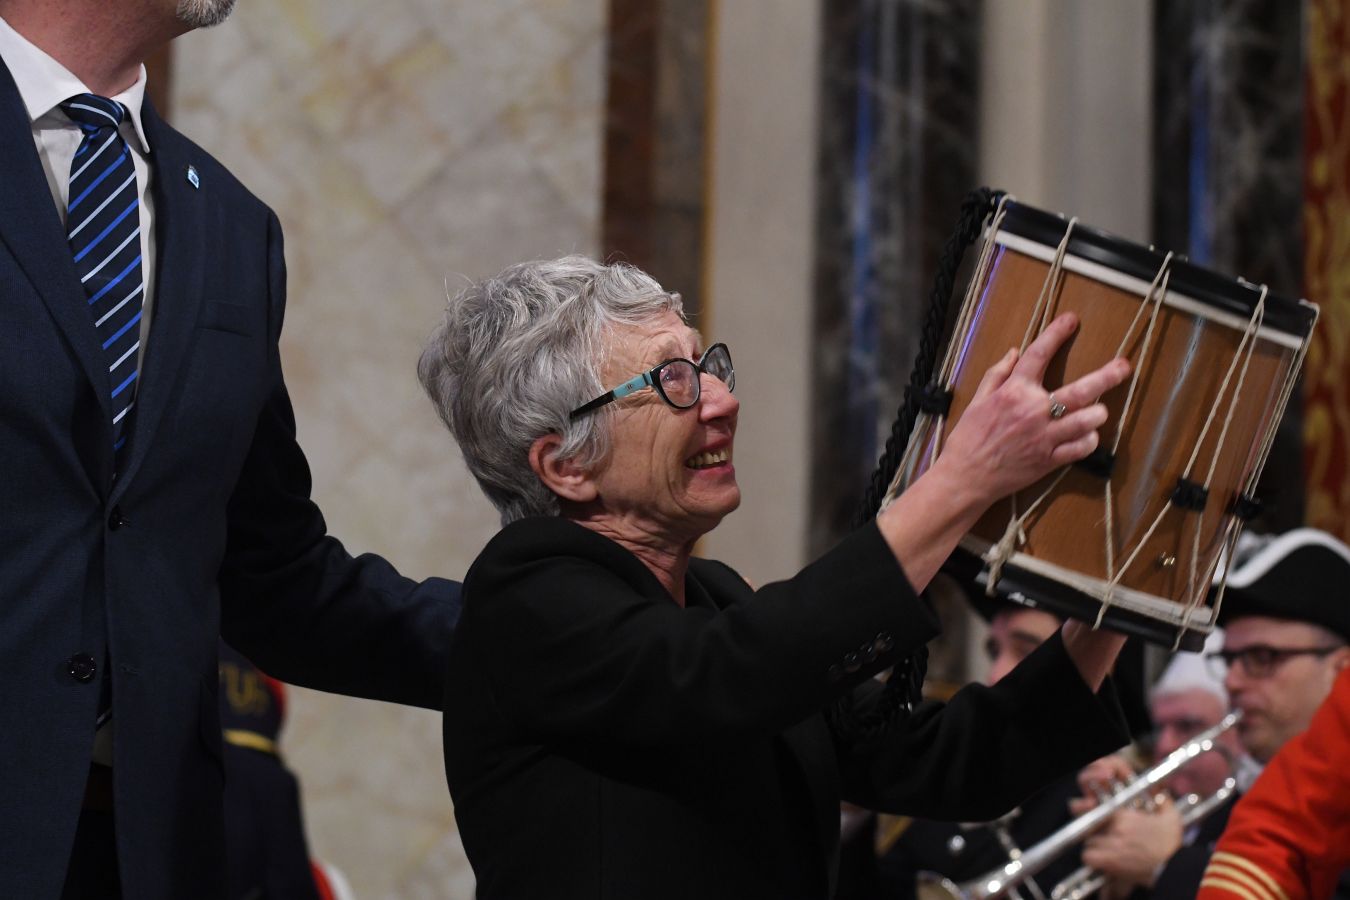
x=1228 y=159
x=656 y=109
x=896 y=156
x=897 y=153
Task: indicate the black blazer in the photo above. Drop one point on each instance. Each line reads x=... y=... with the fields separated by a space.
x=602 y=742
x=209 y=529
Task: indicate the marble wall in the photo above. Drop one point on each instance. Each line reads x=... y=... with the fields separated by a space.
x=758 y=267
x=405 y=145
x=1066 y=113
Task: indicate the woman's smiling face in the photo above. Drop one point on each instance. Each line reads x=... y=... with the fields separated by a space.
x=669 y=470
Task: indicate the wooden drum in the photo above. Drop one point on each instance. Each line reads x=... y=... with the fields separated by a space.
x=1130 y=538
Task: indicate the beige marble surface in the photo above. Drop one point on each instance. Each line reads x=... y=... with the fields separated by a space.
x=405 y=145
x=760 y=268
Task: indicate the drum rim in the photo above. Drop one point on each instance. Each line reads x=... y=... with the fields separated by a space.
x=1027 y=588
x=1232 y=295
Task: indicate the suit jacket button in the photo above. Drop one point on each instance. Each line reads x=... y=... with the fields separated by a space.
x=835 y=672
x=869 y=652
x=115 y=519
x=852 y=662
x=884 y=642
x=82 y=667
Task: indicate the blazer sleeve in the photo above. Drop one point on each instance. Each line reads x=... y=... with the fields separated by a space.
x=990 y=747
x=1289 y=836
x=292 y=599
x=578 y=641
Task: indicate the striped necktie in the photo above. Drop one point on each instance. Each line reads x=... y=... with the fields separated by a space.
x=103 y=225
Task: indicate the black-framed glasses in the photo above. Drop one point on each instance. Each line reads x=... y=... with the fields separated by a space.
x=676 y=380
x=1260 y=660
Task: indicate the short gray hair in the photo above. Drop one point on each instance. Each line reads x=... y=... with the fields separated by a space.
x=516 y=353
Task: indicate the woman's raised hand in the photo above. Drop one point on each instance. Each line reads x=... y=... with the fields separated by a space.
x=1015 y=431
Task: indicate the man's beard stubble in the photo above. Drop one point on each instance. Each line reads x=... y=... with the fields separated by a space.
x=203 y=13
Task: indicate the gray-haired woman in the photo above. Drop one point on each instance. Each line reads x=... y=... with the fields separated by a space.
x=624 y=720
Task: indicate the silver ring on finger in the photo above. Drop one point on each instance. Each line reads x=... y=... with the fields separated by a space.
x=1057 y=409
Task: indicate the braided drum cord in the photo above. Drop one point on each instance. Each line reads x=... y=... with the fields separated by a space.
x=904 y=689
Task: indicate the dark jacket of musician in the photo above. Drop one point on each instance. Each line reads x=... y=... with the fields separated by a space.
x=961 y=852
x=626 y=721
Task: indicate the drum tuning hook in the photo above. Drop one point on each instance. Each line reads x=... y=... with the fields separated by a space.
x=1166 y=561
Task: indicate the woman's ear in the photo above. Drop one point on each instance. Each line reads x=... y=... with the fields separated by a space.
x=562 y=476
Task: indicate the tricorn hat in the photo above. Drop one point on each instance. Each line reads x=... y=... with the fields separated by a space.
x=1302 y=575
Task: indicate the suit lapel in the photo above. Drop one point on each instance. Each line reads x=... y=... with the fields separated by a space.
x=30 y=227
x=180 y=270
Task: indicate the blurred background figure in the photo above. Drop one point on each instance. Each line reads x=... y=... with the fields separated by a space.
x=267 y=854
x=1137 y=847
x=906 y=847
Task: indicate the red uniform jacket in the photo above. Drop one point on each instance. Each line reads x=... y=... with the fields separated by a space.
x=1290 y=835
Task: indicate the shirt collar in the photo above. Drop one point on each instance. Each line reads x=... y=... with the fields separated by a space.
x=44 y=83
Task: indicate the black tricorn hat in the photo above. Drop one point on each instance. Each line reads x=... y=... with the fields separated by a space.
x=1302 y=575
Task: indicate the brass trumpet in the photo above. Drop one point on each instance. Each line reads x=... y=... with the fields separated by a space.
x=1024 y=865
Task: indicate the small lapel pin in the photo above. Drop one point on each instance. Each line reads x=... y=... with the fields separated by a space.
x=192 y=177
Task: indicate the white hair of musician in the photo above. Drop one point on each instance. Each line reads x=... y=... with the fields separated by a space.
x=1188 y=671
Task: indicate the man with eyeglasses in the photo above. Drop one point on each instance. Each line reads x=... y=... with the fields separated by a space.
x=1286 y=638
x=1290 y=835
x=1286 y=633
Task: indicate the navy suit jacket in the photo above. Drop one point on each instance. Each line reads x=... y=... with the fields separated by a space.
x=209 y=530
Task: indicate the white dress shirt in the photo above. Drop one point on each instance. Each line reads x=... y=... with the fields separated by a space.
x=43 y=85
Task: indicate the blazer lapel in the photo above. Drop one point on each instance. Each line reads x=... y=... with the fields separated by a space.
x=30 y=227
x=180 y=270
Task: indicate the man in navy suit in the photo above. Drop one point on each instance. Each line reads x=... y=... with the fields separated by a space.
x=157 y=500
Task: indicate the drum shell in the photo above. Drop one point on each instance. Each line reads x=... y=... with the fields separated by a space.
x=1189 y=353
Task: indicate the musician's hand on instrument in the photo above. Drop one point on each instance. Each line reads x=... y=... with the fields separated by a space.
x=1135 y=844
x=1098 y=780
x=1007 y=438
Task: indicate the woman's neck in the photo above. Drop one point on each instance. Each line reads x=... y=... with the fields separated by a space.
x=667 y=558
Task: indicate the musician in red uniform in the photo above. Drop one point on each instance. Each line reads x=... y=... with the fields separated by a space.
x=1290 y=835
x=1286 y=638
